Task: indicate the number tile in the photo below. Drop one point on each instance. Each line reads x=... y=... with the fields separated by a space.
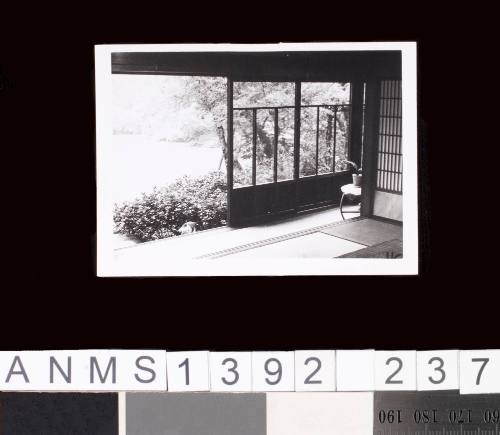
x=273 y=371
x=437 y=370
x=479 y=371
x=188 y=371
x=396 y=370
x=314 y=370
x=231 y=371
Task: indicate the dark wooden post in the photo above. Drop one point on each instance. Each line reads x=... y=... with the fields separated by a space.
x=334 y=137
x=356 y=140
x=229 y=160
x=296 y=141
x=370 y=151
x=317 y=139
x=296 y=137
x=275 y=151
x=254 y=147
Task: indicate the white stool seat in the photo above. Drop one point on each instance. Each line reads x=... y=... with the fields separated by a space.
x=351 y=189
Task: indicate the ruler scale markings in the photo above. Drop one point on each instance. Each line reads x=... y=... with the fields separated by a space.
x=435 y=413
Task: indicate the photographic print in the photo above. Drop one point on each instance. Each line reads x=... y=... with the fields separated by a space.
x=264 y=159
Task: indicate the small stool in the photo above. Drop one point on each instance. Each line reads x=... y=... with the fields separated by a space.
x=351 y=191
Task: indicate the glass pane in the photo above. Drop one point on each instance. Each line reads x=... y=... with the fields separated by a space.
x=243 y=148
x=286 y=119
x=263 y=94
x=265 y=146
x=308 y=141
x=342 y=139
x=325 y=147
x=325 y=93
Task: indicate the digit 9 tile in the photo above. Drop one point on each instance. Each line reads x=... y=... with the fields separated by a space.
x=195 y=414
x=58 y=413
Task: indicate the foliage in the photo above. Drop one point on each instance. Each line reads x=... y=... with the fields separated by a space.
x=162 y=212
x=208 y=94
x=150 y=105
x=201 y=103
x=356 y=169
x=329 y=123
x=197 y=111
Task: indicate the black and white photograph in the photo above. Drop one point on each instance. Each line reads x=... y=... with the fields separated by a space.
x=277 y=159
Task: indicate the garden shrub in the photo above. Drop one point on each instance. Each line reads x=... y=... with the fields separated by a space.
x=161 y=213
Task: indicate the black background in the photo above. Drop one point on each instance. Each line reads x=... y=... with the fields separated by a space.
x=50 y=297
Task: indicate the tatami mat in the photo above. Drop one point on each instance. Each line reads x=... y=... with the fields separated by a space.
x=389 y=249
x=205 y=243
x=366 y=231
x=315 y=245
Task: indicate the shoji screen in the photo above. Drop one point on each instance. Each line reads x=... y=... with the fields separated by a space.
x=389 y=187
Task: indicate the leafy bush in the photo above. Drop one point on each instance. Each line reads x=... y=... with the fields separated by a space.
x=161 y=213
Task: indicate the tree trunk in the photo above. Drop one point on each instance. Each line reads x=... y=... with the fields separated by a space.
x=222 y=142
x=329 y=129
x=264 y=139
x=329 y=138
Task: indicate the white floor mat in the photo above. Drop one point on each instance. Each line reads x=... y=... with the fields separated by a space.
x=316 y=245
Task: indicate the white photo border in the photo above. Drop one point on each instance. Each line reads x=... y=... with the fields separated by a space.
x=107 y=267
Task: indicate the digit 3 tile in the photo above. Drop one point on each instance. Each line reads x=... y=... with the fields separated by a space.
x=58 y=414
x=321 y=413
x=195 y=413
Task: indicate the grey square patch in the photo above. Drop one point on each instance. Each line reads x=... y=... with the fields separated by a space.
x=196 y=414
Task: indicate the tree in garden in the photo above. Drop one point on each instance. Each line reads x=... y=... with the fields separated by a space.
x=202 y=200
x=210 y=95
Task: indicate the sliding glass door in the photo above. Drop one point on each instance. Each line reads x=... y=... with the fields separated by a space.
x=289 y=143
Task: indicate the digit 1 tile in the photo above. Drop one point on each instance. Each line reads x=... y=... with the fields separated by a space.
x=188 y=371
x=195 y=413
